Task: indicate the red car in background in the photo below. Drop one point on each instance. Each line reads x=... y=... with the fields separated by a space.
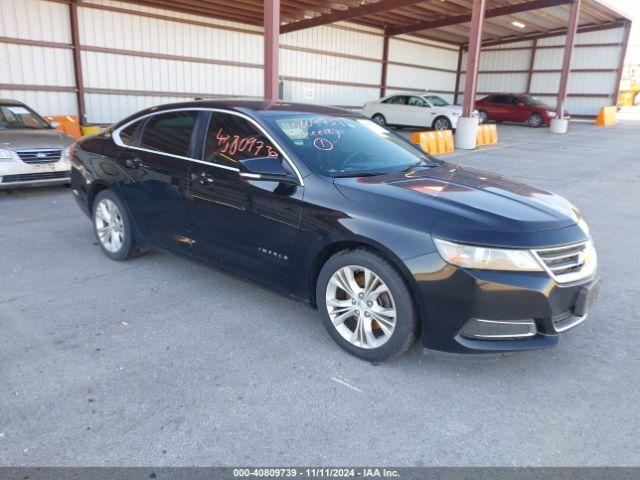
x=515 y=108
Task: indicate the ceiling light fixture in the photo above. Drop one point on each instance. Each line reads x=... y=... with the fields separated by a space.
x=518 y=24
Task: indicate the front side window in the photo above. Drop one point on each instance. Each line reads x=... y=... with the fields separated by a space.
x=128 y=135
x=231 y=138
x=529 y=100
x=19 y=116
x=169 y=132
x=416 y=102
x=348 y=146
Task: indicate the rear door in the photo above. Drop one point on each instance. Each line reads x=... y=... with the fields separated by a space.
x=395 y=110
x=498 y=107
x=159 y=163
x=418 y=112
x=251 y=227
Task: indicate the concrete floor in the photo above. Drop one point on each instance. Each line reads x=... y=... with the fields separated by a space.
x=158 y=361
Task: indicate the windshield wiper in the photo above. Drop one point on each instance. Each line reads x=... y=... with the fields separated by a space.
x=355 y=174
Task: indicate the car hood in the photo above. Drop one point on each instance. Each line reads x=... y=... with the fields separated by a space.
x=25 y=139
x=460 y=199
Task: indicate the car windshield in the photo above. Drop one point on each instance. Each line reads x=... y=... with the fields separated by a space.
x=339 y=146
x=532 y=100
x=18 y=116
x=437 y=101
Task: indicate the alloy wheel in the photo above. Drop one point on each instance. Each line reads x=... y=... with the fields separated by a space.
x=361 y=306
x=109 y=225
x=379 y=119
x=442 y=124
x=535 y=120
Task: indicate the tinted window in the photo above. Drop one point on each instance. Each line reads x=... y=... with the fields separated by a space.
x=397 y=100
x=231 y=138
x=169 y=132
x=502 y=99
x=129 y=135
x=416 y=102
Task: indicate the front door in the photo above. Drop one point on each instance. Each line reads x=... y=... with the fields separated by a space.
x=159 y=165
x=251 y=227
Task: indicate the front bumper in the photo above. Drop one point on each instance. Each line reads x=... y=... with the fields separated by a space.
x=35 y=179
x=481 y=311
x=20 y=174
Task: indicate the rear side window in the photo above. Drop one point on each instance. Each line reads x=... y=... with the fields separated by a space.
x=397 y=100
x=169 y=132
x=231 y=138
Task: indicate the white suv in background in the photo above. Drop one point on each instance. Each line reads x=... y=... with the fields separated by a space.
x=32 y=152
x=423 y=111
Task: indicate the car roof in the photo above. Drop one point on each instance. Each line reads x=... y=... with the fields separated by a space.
x=253 y=107
x=8 y=101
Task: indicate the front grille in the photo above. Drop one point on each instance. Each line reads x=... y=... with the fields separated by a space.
x=568 y=263
x=48 y=155
x=30 y=177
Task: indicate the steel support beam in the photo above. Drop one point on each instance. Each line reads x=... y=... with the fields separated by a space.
x=385 y=64
x=623 y=54
x=77 y=61
x=532 y=63
x=271 y=45
x=473 y=57
x=574 y=17
x=458 y=74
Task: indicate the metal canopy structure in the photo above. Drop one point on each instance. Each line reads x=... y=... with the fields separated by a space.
x=447 y=21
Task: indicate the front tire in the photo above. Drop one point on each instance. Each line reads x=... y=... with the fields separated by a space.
x=535 y=120
x=441 y=123
x=366 y=305
x=112 y=226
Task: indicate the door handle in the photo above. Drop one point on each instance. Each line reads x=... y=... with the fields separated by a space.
x=205 y=179
x=133 y=163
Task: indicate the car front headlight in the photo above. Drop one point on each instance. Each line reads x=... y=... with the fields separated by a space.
x=485 y=258
x=67 y=154
x=8 y=155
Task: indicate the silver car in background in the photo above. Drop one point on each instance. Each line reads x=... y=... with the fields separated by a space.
x=32 y=151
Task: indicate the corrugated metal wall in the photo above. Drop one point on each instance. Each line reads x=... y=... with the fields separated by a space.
x=135 y=56
x=505 y=69
x=421 y=65
x=28 y=65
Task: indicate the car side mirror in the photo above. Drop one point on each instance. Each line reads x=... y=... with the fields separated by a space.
x=266 y=169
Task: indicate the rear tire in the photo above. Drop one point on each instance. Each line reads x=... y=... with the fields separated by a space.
x=379 y=119
x=112 y=226
x=373 y=317
x=535 y=120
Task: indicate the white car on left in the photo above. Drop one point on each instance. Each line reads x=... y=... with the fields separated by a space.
x=32 y=151
x=423 y=111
